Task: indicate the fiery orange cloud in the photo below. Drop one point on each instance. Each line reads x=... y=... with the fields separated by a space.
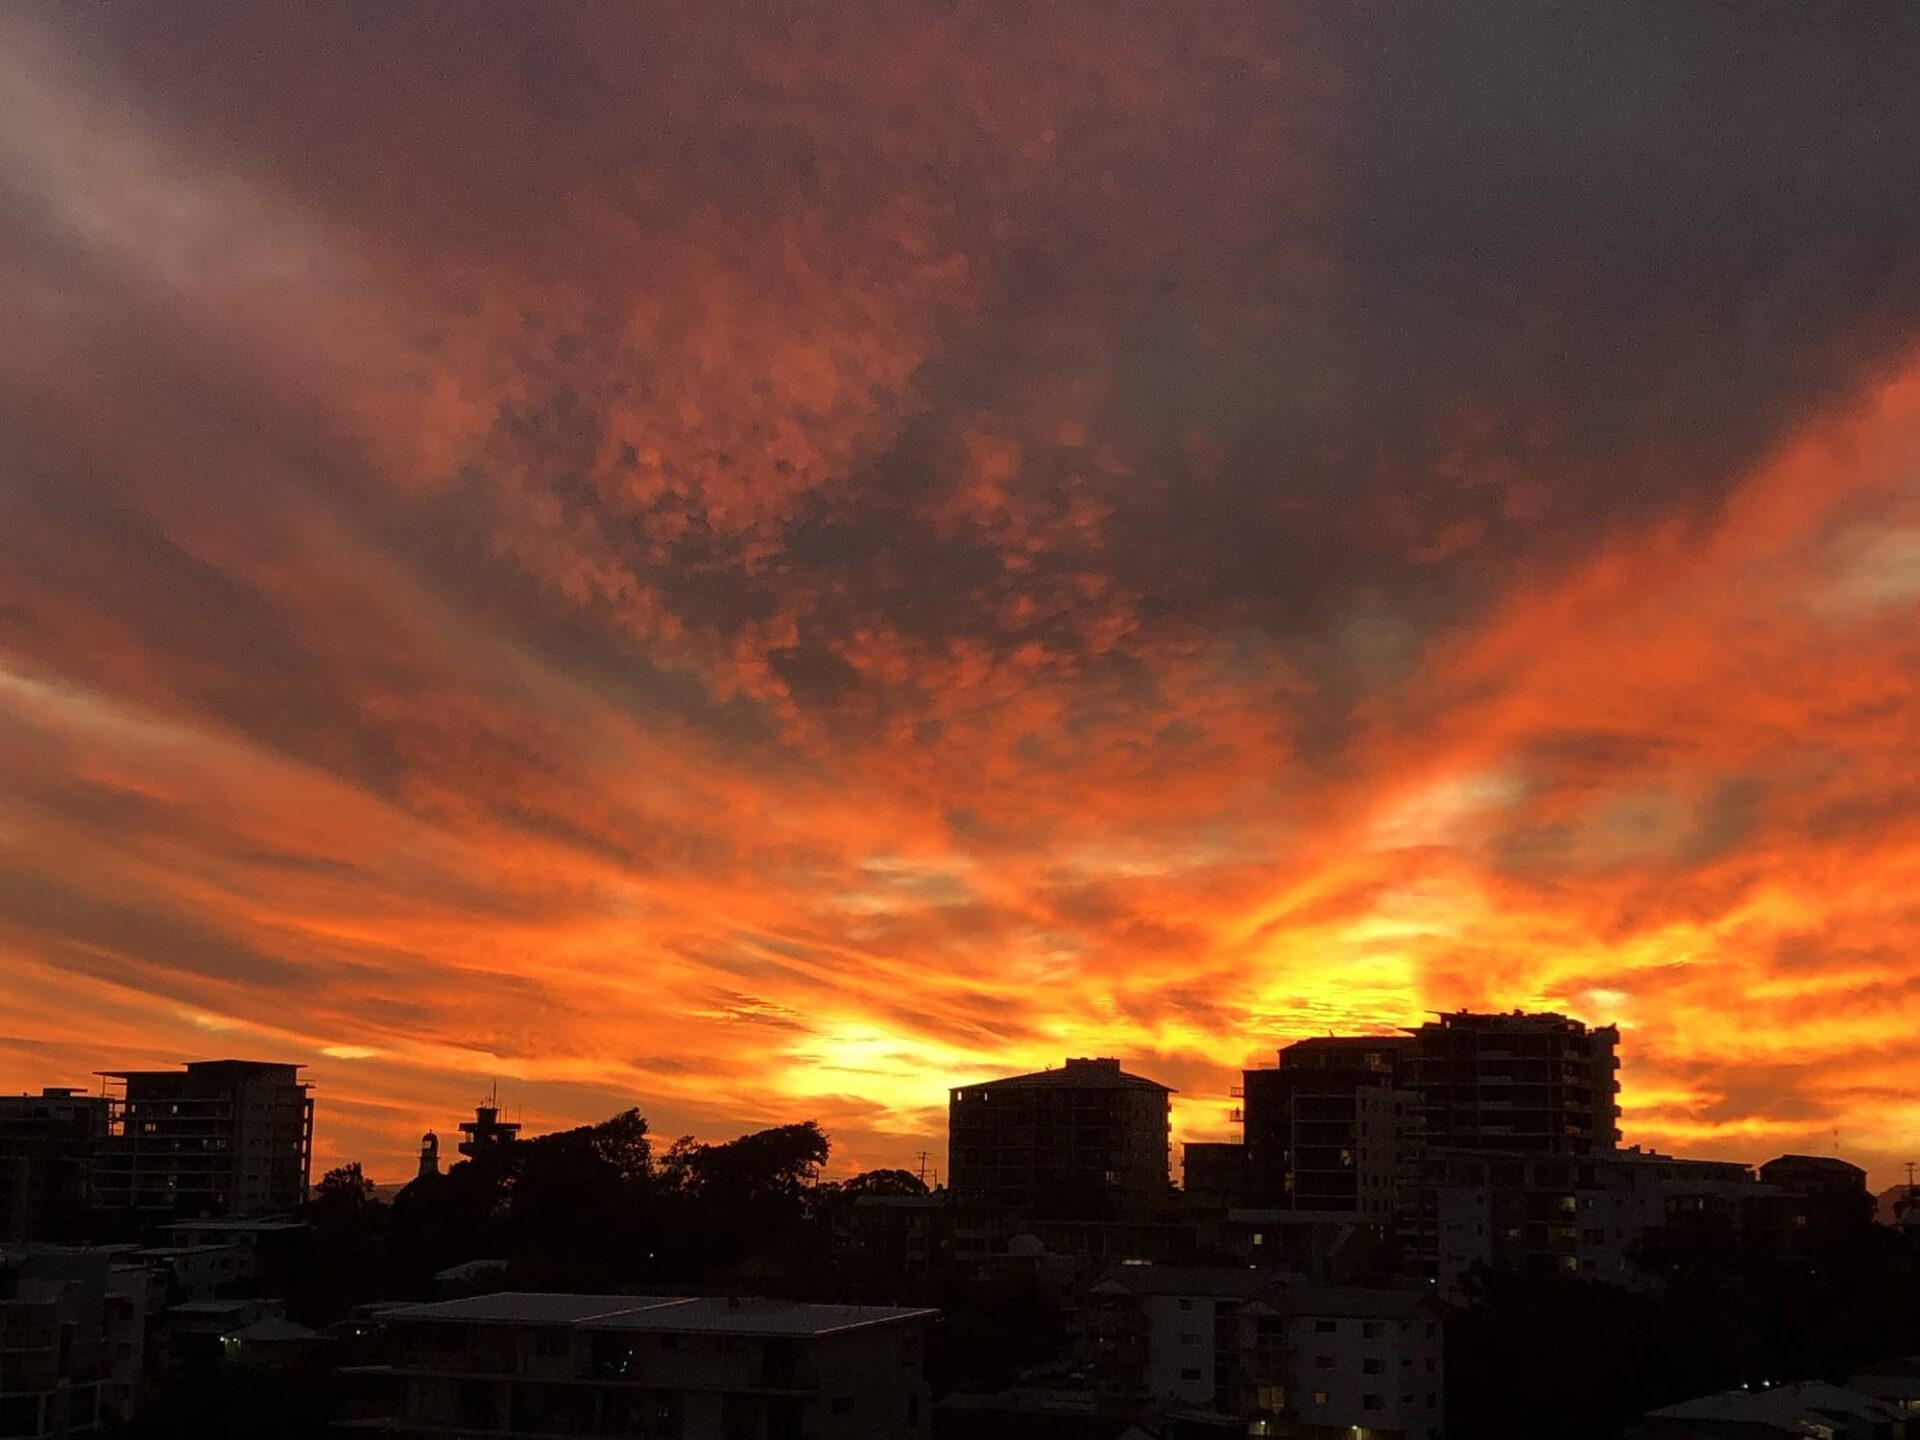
x=760 y=567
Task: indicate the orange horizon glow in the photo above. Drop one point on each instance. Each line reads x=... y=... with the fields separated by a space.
x=852 y=564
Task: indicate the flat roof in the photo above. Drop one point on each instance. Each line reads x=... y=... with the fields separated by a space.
x=1351 y=1302
x=525 y=1307
x=269 y=1225
x=1103 y=1073
x=678 y=1314
x=711 y=1315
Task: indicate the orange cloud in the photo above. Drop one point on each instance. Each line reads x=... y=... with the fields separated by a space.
x=761 y=569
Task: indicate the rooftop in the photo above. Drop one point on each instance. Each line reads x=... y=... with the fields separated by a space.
x=524 y=1307
x=1281 y=1296
x=272 y=1330
x=1345 y=1044
x=215 y=1069
x=1077 y=1074
x=264 y=1225
x=1364 y=1302
x=707 y=1315
x=1517 y=1020
x=1780 y=1407
x=1220 y=1281
x=680 y=1314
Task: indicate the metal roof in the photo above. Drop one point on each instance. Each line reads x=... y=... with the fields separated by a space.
x=709 y=1315
x=679 y=1314
x=527 y=1307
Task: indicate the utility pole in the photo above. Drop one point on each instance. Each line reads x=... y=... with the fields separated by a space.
x=923 y=1168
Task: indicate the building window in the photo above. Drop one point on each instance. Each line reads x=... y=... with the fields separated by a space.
x=1189 y=1338
x=1371 y=1366
x=843 y=1404
x=1325 y=1327
x=1372 y=1402
x=913 y=1412
x=1323 y=1362
x=1190 y=1372
x=1371 y=1329
x=1319 y=1397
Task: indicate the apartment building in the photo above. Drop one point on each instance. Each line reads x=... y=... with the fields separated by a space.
x=1150 y=1333
x=216 y=1137
x=1366 y=1362
x=72 y=1340
x=1085 y=1139
x=1538 y=1083
x=1332 y=1126
x=1339 y=1122
x=1283 y=1358
x=1564 y=1215
x=50 y=1148
x=522 y=1364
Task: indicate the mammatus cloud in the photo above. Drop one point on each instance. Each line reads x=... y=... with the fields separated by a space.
x=863 y=549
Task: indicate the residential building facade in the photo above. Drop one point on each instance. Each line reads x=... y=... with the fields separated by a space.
x=217 y=1137
x=1331 y=1127
x=1084 y=1139
x=72 y=1340
x=1539 y=1083
x=1579 y=1215
x=50 y=1154
x=522 y=1364
x=1281 y=1357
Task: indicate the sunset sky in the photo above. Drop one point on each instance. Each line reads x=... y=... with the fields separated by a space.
x=759 y=561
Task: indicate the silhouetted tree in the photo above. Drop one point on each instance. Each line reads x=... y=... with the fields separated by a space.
x=745 y=1198
x=883 y=1182
x=344 y=1187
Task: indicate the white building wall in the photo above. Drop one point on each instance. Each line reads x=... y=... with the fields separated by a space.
x=1375 y=1374
x=1181 y=1363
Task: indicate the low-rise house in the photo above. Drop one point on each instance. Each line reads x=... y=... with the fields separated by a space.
x=275 y=1344
x=191 y=1334
x=527 y=1364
